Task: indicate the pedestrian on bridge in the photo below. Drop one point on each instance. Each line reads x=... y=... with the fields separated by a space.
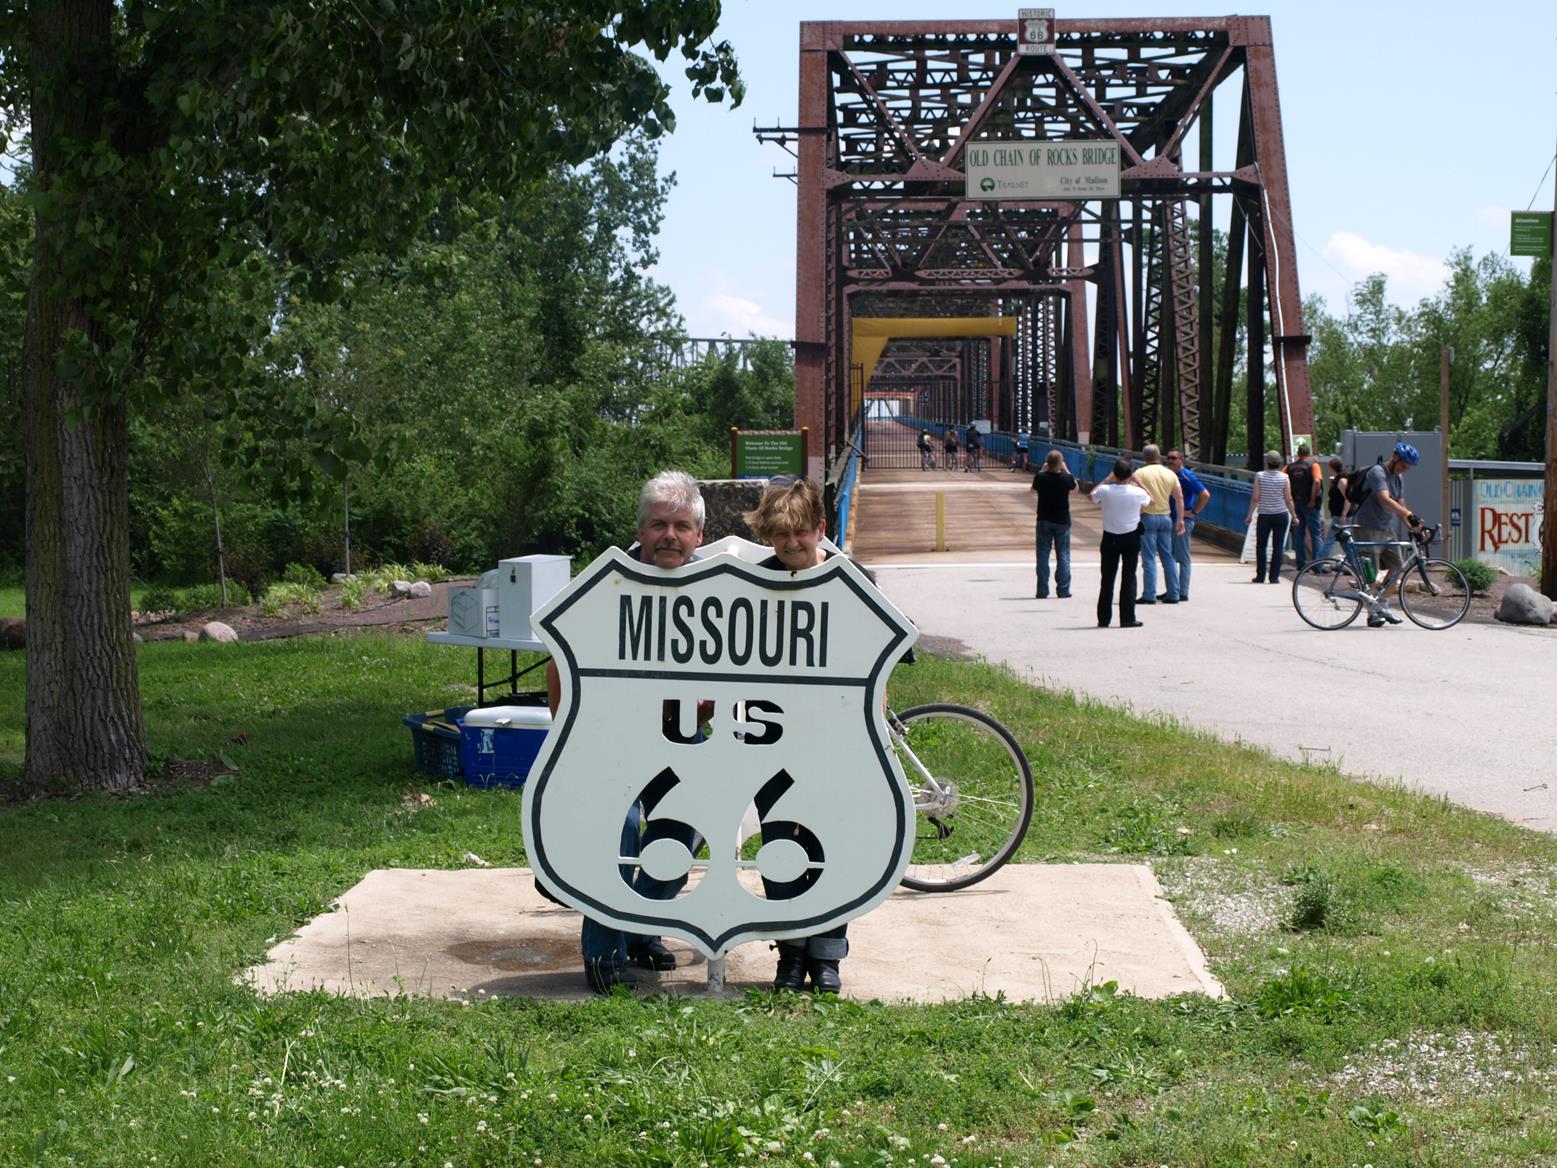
x=949 y=443
x=1272 y=502
x=926 y=454
x=1196 y=496
x=1054 y=485
x=1163 y=520
x=1122 y=503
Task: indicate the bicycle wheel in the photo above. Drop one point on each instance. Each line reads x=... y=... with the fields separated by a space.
x=973 y=794
x=1434 y=594
x=1327 y=594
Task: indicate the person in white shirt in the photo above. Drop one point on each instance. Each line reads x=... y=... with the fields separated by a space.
x=1122 y=502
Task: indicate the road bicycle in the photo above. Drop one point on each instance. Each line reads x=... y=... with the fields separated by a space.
x=1433 y=593
x=973 y=793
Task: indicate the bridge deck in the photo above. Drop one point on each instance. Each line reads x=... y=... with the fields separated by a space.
x=989 y=517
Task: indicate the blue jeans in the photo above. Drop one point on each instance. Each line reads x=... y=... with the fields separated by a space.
x=1057 y=536
x=1157 y=543
x=606 y=945
x=1307 y=521
x=1181 y=556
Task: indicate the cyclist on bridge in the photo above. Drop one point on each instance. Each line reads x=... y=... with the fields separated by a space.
x=1378 y=518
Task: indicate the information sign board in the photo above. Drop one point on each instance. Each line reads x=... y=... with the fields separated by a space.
x=761 y=454
x=1037 y=169
x=1530 y=233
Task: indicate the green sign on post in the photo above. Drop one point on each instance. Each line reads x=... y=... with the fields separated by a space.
x=761 y=454
x=1530 y=233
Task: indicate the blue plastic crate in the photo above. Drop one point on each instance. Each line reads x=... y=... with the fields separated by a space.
x=435 y=736
x=498 y=744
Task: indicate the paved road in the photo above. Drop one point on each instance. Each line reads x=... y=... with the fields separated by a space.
x=1466 y=713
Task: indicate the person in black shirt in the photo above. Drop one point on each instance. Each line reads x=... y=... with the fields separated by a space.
x=1054 y=485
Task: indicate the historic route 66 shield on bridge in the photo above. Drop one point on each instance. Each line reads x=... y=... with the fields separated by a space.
x=793 y=667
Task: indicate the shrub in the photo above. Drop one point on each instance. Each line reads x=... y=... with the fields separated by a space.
x=432 y=573
x=431 y=543
x=1479 y=576
x=158 y=598
x=352 y=593
x=283 y=596
x=303 y=574
x=210 y=596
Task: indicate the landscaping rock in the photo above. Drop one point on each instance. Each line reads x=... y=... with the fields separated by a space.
x=13 y=633
x=1523 y=605
x=217 y=631
x=420 y=590
x=400 y=589
x=342 y=577
x=191 y=635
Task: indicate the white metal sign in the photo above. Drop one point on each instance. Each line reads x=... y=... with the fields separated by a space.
x=1033 y=169
x=1034 y=31
x=794 y=667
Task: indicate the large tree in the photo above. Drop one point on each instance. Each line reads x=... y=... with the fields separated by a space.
x=179 y=141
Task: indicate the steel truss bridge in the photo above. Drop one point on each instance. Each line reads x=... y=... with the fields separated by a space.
x=1136 y=316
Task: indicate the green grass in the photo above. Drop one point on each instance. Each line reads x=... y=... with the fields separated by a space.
x=1390 y=960
x=12 y=600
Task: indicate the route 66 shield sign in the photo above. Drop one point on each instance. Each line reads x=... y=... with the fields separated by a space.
x=708 y=695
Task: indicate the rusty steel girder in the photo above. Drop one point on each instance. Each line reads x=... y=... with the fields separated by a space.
x=887 y=110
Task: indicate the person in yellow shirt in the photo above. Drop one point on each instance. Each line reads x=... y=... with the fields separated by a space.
x=1159 y=525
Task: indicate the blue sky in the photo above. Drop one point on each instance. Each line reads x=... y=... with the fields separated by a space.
x=1411 y=129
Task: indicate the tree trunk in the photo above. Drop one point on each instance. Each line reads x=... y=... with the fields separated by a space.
x=85 y=730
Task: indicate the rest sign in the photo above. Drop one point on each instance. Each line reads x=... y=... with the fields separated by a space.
x=794 y=668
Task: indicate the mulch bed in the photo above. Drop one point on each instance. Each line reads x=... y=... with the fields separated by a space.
x=376 y=612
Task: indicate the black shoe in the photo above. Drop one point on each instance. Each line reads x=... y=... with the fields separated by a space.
x=1162 y=598
x=1388 y=614
x=824 y=975
x=1130 y=624
x=1142 y=600
x=1258 y=580
x=1063 y=595
x=1375 y=620
x=1102 y=624
x=604 y=978
x=651 y=954
x=791 y=972
x=1274 y=580
x=1040 y=596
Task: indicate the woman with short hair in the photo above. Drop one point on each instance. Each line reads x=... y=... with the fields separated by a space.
x=1272 y=503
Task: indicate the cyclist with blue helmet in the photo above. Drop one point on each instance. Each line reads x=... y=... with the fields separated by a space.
x=1379 y=517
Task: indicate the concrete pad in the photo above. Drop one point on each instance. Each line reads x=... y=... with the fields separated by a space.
x=1035 y=932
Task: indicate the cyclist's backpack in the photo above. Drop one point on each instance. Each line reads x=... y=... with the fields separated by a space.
x=1357 y=489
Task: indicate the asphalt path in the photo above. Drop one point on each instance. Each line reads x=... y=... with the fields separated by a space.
x=1466 y=713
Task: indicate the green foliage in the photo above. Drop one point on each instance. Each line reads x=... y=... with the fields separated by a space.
x=158 y=598
x=352 y=593
x=210 y=596
x=289 y=596
x=305 y=574
x=1478 y=575
x=1374 y=365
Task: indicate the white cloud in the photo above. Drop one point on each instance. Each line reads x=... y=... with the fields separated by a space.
x=1410 y=276
x=1494 y=217
x=722 y=312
